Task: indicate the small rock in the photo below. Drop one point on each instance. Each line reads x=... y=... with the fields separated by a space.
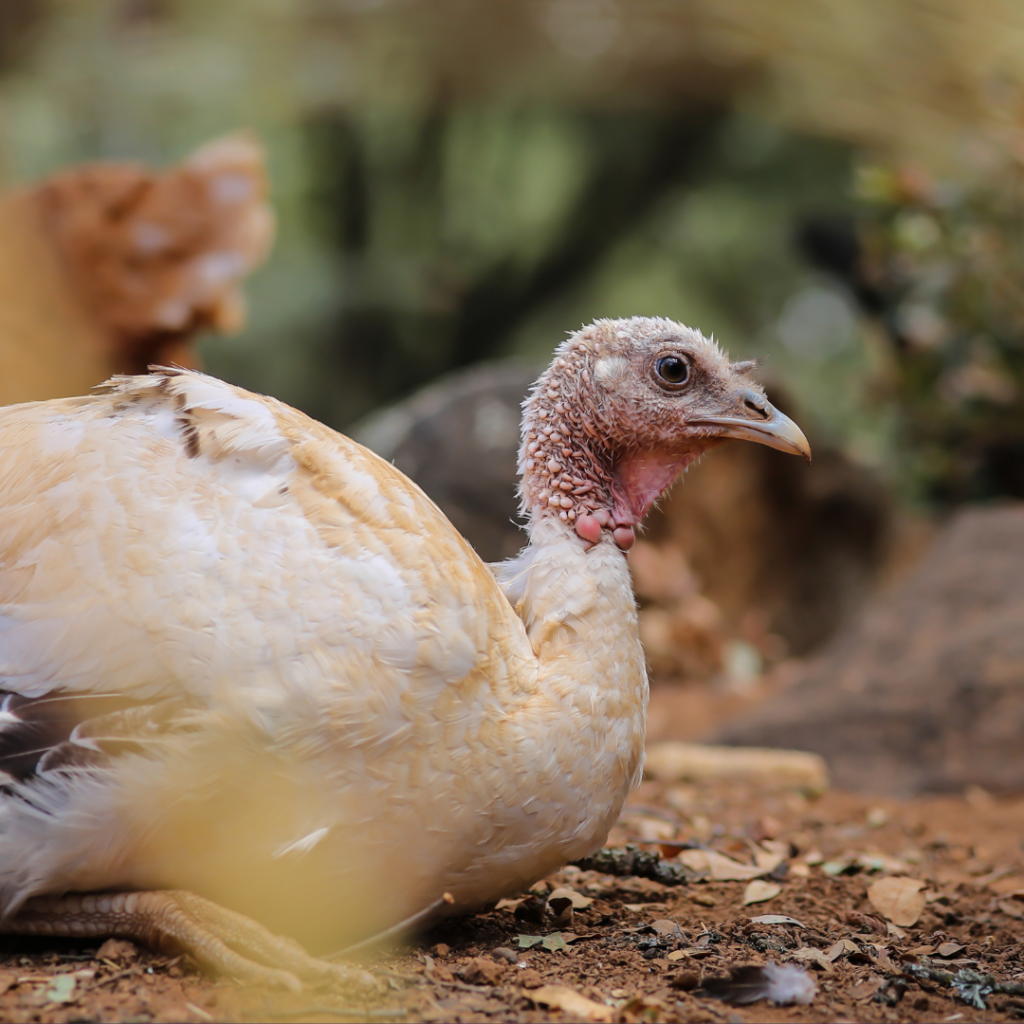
x=504 y=953
x=441 y=950
x=529 y=978
x=117 y=949
x=441 y=973
x=481 y=971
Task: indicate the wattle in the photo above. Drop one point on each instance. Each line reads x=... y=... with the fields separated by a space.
x=640 y=479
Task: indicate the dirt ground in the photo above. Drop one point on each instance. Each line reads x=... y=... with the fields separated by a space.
x=923 y=692
x=634 y=949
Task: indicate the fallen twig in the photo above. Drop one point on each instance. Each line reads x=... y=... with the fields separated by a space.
x=428 y=978
x=136 y=969
x=971 y=986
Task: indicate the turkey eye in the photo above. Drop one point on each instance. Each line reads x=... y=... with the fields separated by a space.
x=672 y=369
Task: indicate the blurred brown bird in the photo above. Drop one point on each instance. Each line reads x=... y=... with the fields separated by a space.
x=248 y=664
x=109 y=267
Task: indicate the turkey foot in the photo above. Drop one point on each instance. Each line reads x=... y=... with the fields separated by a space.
x=221 y=941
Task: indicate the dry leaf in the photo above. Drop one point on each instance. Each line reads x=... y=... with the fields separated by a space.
x=579 y=901
x=777 y=919
x=837 y=867
x=758 y=891
x=841 y=948
x=663 y=926
x=768 y=861
x=725 y=869
x=950 y=876
x=1011 y=910
x=643 y=1007
x=699 y=952
x=876 y=817
x=950 y=949
x=647 y=829
x=882 y=862
x=562 y=912
x=695 y=860
x=1002 y=885
x=692 y=953
x=865 y=990
x=900 y=900
x=61 y=989
x=553 y=943
x=560 y=997
x=812 y=956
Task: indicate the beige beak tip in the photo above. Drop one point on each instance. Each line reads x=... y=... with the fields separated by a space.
x=778 y=431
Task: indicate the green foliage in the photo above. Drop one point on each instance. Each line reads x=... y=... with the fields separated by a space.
x=945 y=265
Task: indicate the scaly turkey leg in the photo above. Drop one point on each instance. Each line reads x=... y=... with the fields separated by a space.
x=221 y=941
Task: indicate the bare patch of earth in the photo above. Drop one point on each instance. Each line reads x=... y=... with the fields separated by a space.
x=635 y=949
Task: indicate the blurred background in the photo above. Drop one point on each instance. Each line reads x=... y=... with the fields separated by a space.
x=832 y=187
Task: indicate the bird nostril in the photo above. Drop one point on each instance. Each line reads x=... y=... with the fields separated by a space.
x=758 y=407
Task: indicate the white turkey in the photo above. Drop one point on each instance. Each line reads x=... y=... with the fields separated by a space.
x=250 y=671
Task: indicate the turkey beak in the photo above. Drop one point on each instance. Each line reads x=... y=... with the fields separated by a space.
x=758 y=420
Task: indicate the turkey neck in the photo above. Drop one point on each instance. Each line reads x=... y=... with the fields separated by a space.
x=574 y=591
x=566 y=462
x=589 y=710
x=575 y=598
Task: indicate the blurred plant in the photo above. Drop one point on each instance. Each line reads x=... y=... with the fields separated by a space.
x=940 y=269
x=453 y=228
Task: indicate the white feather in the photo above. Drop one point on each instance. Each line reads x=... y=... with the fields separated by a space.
x=789 y=984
